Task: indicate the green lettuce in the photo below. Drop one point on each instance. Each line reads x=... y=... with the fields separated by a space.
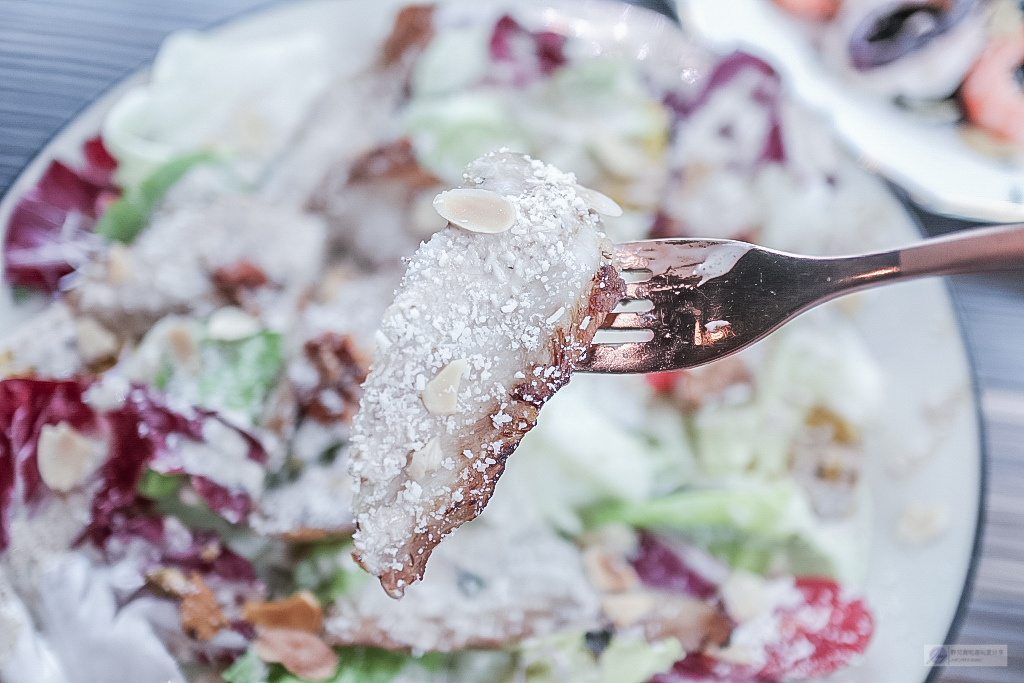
x=248 y=668
x=587 y=448
x=565 y=658
x=239 y=375
x=449 y=132
x=762 y=527
x=231 y=376
x=124 y=219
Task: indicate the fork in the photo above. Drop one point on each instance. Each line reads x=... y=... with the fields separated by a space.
x=698 y=300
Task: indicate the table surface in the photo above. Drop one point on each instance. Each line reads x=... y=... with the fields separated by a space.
x=56 y=56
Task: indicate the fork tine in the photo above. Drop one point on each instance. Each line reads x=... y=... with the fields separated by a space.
x=611 y=358
x=638 y=290
x=631 y=321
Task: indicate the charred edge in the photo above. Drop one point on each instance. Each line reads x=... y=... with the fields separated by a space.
x=607 y=289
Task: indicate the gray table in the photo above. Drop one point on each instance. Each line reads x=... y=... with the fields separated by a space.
x=56 y=56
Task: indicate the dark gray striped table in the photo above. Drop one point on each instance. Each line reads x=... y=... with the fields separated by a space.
x=56 y=56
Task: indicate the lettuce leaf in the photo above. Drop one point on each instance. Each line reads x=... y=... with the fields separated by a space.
x=125 y=219
x=248 y=668
x=238 y=375
x=565 y=658
x=763 y=527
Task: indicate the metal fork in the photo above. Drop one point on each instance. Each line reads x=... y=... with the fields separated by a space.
x=705 y=299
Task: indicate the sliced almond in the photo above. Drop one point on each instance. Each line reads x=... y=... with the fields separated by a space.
x=599 y=201
x=609 y=572
x=170 y=582
x=626 y=609
x=95 y=342
x=301 y=611
x=183 y=343
x=302 y=653
x=201 y=616
x=232 y=324
x=441 y=394
x=65 y=457
x=119 y=264
x=476 y=210
x=425 y=460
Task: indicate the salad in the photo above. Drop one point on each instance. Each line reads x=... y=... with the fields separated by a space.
x=946 y=63
x=176 y=418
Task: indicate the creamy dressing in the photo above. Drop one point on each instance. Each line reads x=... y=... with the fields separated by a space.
x=719 y=260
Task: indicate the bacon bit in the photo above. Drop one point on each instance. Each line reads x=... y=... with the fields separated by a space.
x=342 y=371
x=201 y=616
x=413 y=29
x=393 y=161
x=232 y=280
x=301 y=653
x=301 y=611
x=694 y=623
x=839 y=429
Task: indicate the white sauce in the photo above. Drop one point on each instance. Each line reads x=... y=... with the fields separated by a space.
x=719 y=260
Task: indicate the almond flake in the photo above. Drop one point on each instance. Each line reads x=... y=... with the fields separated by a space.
x=301 y=611
x=231 y=324
x=183 y=343
x=201 y=616
x=301 y=653
x=425 y=460
x=170 y=582
x=599 y=201
x=441 y=394
x=625 y=609
x=65 y=457
x=476 y=210
x=119 y=264
x=609 y=572
x=95 y=342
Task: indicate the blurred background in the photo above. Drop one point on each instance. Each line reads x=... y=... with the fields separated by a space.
x=56 y=56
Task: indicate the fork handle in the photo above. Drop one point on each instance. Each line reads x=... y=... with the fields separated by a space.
x=967 y=251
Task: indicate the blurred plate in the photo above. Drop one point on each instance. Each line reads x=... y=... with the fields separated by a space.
x=927 y=449
x=939 y=170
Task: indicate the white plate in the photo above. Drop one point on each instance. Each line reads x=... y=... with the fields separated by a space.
x=932 y=163
x=926 y=452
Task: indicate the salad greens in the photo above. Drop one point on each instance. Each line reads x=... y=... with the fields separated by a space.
x=224 y=474
x=565 y=658
x=125 y=219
